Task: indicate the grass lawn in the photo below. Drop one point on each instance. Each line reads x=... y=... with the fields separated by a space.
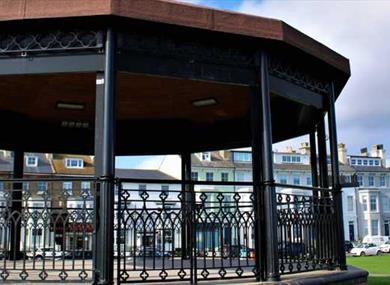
x=377 y=266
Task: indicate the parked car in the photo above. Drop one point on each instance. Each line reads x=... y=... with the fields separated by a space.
x=348 y=245
x=79 y=254
x=385 y=247
x=294 y=250
x=153 y=252
x=232 y=251
x=365 y=249
x=377 y=240
x=45 y=253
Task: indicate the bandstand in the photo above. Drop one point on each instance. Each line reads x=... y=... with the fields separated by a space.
x=113 y=77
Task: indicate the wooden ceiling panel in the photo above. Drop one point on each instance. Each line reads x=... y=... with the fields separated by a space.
x=140 y=97
x=146 y=97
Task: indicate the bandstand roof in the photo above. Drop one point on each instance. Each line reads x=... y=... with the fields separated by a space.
x=171 y=55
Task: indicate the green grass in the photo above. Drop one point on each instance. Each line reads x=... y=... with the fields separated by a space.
x=377 y=266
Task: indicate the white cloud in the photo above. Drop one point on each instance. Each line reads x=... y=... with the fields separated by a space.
x=358 y=30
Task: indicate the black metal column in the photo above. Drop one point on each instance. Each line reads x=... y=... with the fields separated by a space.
x=322 y=156
x=272 y=264
x=105 y=165
x=337 y=193
x=258 y=202
x=16 y=208
x=313 y=161
x=186 y=204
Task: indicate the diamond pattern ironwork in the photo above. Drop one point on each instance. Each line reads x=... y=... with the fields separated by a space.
x=205 y=273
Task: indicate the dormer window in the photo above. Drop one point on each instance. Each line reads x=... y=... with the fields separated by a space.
x=74 y=163
x=31 y=161
x=206 y=156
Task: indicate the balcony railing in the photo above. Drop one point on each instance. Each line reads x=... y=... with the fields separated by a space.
x=306 y=235
x=204 y=234
x=46 y=229
x=170 y=230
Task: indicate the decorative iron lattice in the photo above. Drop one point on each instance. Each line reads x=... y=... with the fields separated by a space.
x=48 y=42
x=282 y=69
x=55 y=221
x=162 y=45
x=306 y=235
x=152 y=223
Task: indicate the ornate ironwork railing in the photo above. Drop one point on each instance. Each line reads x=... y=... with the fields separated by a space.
x=167 y=234
x=306 y=234
x=164 y=230
x=22 y=44
x=46 y=228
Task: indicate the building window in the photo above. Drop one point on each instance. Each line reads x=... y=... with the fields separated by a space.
x=42 y=187
x=86 y=188
x=296 y=180
x=350 y=203
x=165 y=188
x=360 y=180
x=370 y=180
x=286 y=158
x=26 y=186
x=295 y=159
x=374 y=227
x=242 y=156
x=376 y=162
x=308 y=181
x=365 y=203
x=373 y=203
x=283 y=180
x=74 y=163
x=353 y=162
x=194 y=176
x=224 y=176
x=209 y=176
x=371 y=162
x=67 y=187
x=365 y=227
x=387 y=228
x=359 y=162
x=385 y=204
x=365 y=162
x=206 y=156
x=141 y=189
x=382 y=181
x=31 y=161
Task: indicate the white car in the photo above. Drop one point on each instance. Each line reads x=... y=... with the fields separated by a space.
x=365 y=249
x=378 y=240
x=45 y=253
x=385 y=247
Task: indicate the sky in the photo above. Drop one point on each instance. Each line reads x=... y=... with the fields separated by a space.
x=358 y=30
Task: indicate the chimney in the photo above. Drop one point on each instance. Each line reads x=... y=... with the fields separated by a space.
x=6 y=153
x=342 y=152
x=305 y=148
x=289 y=149
x=377 y=150
x=364 y=151
x=225 y=154
x=49 y=156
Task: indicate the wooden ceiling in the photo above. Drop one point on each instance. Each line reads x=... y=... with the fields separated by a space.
x=148 y=107
x=138 y=97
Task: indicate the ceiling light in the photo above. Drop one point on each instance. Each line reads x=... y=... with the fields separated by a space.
x=75 y=124
x=70 y=106
x=204 y=102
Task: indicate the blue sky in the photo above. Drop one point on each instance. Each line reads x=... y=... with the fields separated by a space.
x=358 y=30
